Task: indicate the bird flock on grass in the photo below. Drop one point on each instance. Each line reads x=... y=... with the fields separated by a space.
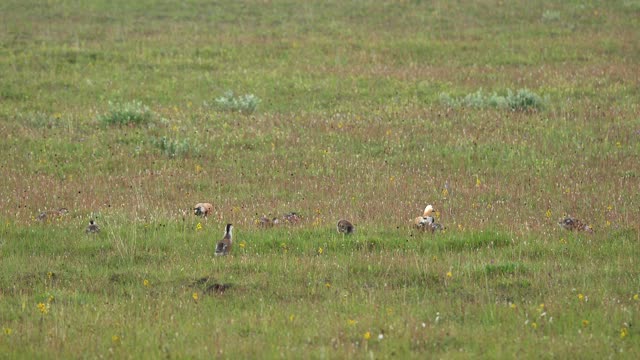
x=425 y=223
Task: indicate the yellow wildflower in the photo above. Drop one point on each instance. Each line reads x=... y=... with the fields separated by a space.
x=635 y=297
x=585 y=323
x=327 y=284
x=548 y=213
x=351 y=322
x=534 y=325
x=624 y=332
x=513 y=306
x=195 y=296
x=145 y=282
x=580 y=297
x=242 y=245
x=7 y=331
x=366 y=335
x=320 y=251
x=291 y=317
x=44 y=308
x=449 y=274
x=198 y=227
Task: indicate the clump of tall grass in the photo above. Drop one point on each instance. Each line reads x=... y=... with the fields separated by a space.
x=131 y=113
x=175 y=148
x=521 y=100
x=247 y=103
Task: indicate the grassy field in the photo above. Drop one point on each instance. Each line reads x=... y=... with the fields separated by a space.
x=368 y=110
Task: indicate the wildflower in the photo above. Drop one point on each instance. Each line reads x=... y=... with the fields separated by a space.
x=391 y=179
x=51 y=299
x=7 y=331
x=548 y=213
x=534 y=325
x=635 y=297
x=351 y=322
x=541 y=307
x=44 y=308
x=115 y=339
x=145 y=282
x=585 y=323
x=198 y=227
x=195 y=296
x=609 y=207
x=513 y=306
x=445 y=193
x=607 y=224
x=292 y=317
x=478 y=182
x=327 y=284
x=242 y=245
x=618 y=144
x=580 y=297
x=320 y=251
x=623 y=332
x=449 y=274
x=366 y=335
x=198 y=169
x=380 y=336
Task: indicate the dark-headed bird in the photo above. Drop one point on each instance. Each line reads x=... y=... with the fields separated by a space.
x=224 y=245
x=93 y=228
x=345 y=227
x=573 y=224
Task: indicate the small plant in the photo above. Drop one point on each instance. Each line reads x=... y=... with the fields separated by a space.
x=522 y=100
x=244 y=103
x=128 y=113
x=175 y=147
x=550 y=16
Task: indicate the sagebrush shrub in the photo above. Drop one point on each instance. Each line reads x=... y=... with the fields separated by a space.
x=522 y=100
x=174 y=147
x=128 y=113
x=247 y=103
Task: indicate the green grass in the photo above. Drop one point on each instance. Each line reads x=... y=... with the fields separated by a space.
x=109 y=109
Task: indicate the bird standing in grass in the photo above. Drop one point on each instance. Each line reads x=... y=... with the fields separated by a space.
x=345 y=227
x=224 y=245
x=265 y=222
x=427 y=222
x=573 y=224
x=52 y=214
x=93 y=228
x=291 y=218
x=203 y=209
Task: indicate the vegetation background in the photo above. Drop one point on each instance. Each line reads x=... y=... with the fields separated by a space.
x=130 y=112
